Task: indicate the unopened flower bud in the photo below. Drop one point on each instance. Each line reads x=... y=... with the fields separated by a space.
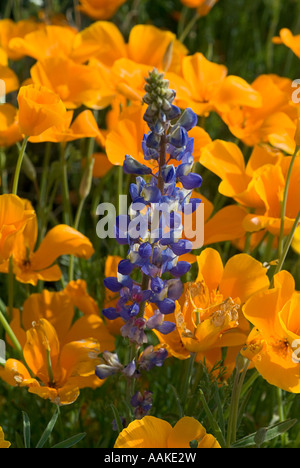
x=86 y=181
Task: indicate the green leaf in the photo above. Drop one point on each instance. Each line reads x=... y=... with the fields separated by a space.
x=268 y=433
x=47 y=432
x=71 y=441
x=26 y=430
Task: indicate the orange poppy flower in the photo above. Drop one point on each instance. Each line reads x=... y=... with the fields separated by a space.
x=269 y=218
x=45 y=41
x=56 y=372
x=273 y=344
x=273 y=122
x=152 y=432
x=3 y=443
x=76 y=84
x=9 y=127
x=209 y=313
x=39 y=109
x=205 y=87
x=203 y=6
x=14 y=216
x=287 y=38
x=10 y=29
x=31 y=265
x=100 y=9
x=253 y=185
x=147 y=45
x=226 y=160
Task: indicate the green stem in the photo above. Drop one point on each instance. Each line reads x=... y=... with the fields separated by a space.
x=189 y=27
x=18 y=166
x=234 y=405
x=12 y=336
x=284 y=202
x=188 y=377
x=76 y=224
x=65 y=187
x=281 y=413
x=287 y=245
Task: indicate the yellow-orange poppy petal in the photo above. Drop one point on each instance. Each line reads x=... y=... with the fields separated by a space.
x=3 y=443
x=52 y=306
x=101 y=40
x=148 y=45
x=102 y=165
x=16 y=374
x=100 y=9
x=41 y=339
x=235 y=91
x=79 y=358
x=273 y=361
x=287 y=38
x=243 y=276
x=78 y=295
x=9 y=128
x=226 y=224
x=127 y=136
x=184 y=431
x=148 y=432
x=61 y=396
x=91 y=326
x=73 y=82
x=39 y=109
x=50 y=40
x=61 y=240
x=14 y=216
x=86 y=125
x=10 y=80
x=226 y=160
x=262 y=311
x=210 y=268
x=30 y=276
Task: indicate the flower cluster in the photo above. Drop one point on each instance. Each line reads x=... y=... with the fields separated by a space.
x=153 y=228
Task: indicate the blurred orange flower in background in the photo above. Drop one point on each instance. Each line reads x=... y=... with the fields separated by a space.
x=100 y=9
x=203 y=6
x=10 y=29
x=205 y=86
x=272 y=122
x=290 y=40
